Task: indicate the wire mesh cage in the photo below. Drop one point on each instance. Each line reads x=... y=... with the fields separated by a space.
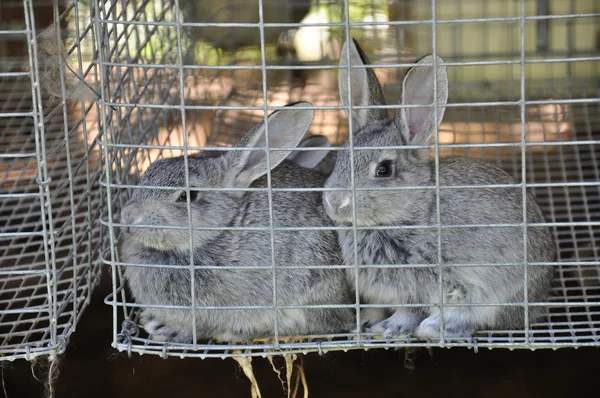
x=49 y=196
x=523 y=88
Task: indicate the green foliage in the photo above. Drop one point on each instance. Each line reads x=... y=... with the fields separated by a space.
x=357 y=9
x=159 y=44
x=207 y=55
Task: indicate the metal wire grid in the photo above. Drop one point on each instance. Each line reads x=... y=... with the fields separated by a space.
x=552 y=144
x=49 y=196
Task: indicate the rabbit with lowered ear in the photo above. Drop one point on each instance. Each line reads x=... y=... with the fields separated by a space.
x=170 y=247
x=321 y=161
x=472 y=287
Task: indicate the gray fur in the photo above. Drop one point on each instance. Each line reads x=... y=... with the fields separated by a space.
x=369 y=93
x=230 y=287
x=325 y=167
x=415 y=207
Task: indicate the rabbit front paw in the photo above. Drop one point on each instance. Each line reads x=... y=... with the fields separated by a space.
x=371 y=316
x=453 y=328
x=159 y=331
x=226 y=337
x=400 y=324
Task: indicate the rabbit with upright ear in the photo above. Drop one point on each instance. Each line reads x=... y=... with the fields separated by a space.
x=481 y=266
x=318 y=160
x=176 y=206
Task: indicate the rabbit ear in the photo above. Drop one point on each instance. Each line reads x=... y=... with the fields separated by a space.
x=310 y=159
x=417 y=124
x=366 y=89
x=286 y=129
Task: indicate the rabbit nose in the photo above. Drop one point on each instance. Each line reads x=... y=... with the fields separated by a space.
x=131 y=215
x=337 y=201
x=345 y=202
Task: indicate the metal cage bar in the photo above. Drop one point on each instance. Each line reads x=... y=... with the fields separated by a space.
x=529 y=106
x=49 y=237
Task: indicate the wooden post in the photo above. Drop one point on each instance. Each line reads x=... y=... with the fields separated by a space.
x=400 y=10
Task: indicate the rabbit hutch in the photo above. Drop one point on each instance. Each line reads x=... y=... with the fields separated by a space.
x=523 y=95
x=104 y=88
x=49 y=168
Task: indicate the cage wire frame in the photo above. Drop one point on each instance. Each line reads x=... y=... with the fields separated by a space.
x=49 y=165
x=139 y=98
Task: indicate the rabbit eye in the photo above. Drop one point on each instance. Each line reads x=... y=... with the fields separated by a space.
x=183 y=196
x=384 y=169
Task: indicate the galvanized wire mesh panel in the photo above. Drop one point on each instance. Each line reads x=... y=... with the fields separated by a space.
x=524 y=95
x=49 y=197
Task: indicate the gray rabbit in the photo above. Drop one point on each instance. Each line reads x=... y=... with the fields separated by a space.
x=172 y=285
x=464 y=284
